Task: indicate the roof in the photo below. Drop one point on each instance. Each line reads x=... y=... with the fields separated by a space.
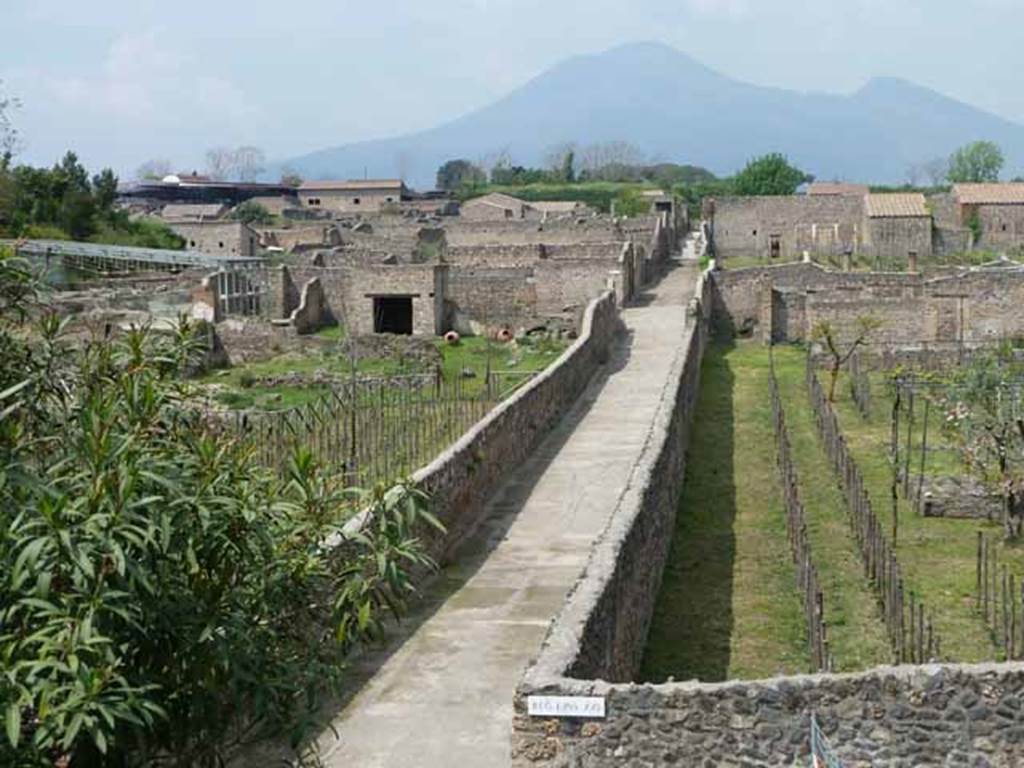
x=192 y=210
x=896 y=205
x=839 y=188
x=989 y=194
x=555 y=206
x=343 y=186
x=498 y=199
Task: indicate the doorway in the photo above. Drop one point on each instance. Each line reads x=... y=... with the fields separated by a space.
x=774 y=246
x=392 y=314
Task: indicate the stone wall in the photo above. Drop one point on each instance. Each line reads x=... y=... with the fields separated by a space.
x=597 y=229
x=898 y=235
x=819 y=224
x=966 y=308
x=950 y=715
x=311 y=314
x=491 y=296
x=901 y=716
x=518 y=255
x=462 y=478
x=1001 y=227
x=222 y=238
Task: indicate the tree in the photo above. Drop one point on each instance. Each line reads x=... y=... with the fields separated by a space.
x=252 y=212
x=153 y=170
x=560 y=159
x=10 y=141
x=219 y=163
x=104 y=186
x=769 y=175
x=841 y=350
x=290 y=177
x=936 y=170
x=984 y=417
x=248 y=163
x=459 y=174
x=981 y=161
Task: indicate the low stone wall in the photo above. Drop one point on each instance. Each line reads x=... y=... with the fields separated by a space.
x=601 y=631
x=464 y=476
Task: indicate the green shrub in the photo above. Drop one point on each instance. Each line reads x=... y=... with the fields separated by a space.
x=160 y=593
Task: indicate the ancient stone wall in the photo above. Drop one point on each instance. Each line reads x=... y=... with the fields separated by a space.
x=491 y=296
x=467 y=473
x=223 y=238
x=311 y=314
x=460 y=232
x=819 y=224
x=1000 y=227
x=527 y=254
x=952 y=715
x=897 y=236
x=967 y=308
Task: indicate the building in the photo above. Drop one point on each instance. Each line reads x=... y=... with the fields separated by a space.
x=837 y=189
x=495 y=206
x=193 y=211
x=221 y=238
x=369 y=196
x=897 y=225
x=994 y=213
x=199 y=190
x=784 y=227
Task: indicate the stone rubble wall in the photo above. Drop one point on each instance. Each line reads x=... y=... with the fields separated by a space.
x=462 y=478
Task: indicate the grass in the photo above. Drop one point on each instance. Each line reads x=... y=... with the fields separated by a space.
x=938 y=555
x=238 y=391
x=856 y=632
x=728 y=606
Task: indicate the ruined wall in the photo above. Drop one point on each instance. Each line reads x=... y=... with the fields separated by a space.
x=311 y=314
x=460 y=232
x=971 y=307
x=1001 y=226
x=224 y=238
x=897 y=236
x=462 y=478
x=565 y=287
x=505 y=255
x=491 y=296
x=819 y=224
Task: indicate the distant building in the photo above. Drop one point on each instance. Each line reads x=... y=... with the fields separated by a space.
x=368 y=196
x=897 y=225
x=993 y=212
x=198 y=190
x=220 y=238
x=193 y=211
x=495 y=206
x=837 y=189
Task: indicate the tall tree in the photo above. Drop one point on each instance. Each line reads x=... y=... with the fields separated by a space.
x=981 y=161
x=456 y=174
x=769 y=175
x=248 y=162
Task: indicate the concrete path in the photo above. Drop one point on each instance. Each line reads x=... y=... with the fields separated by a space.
x=444 y=696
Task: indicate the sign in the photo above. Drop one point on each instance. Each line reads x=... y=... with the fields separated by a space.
x=565 y=706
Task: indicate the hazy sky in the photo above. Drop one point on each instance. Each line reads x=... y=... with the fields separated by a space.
x=122 y=81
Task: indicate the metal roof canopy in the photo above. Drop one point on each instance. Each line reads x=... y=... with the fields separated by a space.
x=161 y=256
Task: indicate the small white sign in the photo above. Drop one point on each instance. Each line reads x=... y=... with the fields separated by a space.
x=565 y=706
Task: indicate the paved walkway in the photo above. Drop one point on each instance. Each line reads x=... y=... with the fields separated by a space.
x=444 y=696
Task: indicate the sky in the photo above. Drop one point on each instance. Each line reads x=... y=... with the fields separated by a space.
x=126 y=81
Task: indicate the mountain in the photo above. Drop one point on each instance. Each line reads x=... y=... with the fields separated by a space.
x=674 y=108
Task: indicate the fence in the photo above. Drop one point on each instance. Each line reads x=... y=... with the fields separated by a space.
x=997 y=599
x=911 y=633
x=860 y=386
x=799 y=543
x=376 y=429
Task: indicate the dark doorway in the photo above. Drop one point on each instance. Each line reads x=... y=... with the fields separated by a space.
x=392 y=314
x=775 y=246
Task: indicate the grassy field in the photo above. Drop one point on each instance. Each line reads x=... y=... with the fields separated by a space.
x=855 y=628
x=728 y=606
x=239 y=388
x=938 y=556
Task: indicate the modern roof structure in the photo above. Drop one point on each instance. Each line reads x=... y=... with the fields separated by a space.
x=330 y=185
x=989 y=194
x=896 y=205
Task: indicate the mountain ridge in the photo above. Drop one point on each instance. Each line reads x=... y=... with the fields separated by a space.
x=674 y=108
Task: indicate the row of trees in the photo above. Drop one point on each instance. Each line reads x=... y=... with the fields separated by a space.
x=164 y=599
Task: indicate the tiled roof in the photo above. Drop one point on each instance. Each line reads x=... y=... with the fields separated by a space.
x=192 y=211
x=837 y=188
x=989 y=194
x=342 y=186
x=896 y=205
x=497 y=199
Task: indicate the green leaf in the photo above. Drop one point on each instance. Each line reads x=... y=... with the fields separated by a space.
x=13 y=723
